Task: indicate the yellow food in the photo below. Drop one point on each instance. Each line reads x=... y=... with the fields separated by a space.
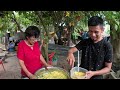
x=78 y=75
x=52 y=75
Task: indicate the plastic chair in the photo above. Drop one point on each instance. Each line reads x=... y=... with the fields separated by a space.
x=50 y=56
x=1 y=62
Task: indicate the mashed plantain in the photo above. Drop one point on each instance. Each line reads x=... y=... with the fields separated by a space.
x=52 y=75
x=78 y=75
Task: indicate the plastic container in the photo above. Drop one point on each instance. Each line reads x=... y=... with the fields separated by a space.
x=75 y=69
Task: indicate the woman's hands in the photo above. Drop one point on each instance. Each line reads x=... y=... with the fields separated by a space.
x=48 y=65
x=31 y=76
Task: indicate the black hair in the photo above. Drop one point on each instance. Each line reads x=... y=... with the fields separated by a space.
x=32 y=31
x=95 y=20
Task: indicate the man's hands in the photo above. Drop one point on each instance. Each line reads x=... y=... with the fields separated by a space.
x=71 y=59
x=89 y=74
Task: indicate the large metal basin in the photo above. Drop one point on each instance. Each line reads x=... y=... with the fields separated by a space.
x=52 y=73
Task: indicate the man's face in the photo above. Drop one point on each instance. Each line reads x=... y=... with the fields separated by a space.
x=95 y=32
x=65 y=29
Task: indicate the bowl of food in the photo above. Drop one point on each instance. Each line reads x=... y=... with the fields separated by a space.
x=78 y=73
x=52 y=73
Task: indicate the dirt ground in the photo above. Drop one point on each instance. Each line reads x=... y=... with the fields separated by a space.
x=12 y=67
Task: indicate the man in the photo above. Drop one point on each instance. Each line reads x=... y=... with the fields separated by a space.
x=97 y=53
x=65 y=35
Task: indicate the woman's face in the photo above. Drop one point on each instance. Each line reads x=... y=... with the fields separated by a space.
x=95 y=32
x=31 y=40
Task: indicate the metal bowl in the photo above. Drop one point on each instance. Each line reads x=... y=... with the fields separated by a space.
x=41 y=72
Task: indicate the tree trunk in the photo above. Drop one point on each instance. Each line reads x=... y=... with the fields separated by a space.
x=115 y=41
x=57 y=19
x=56 y=31
x=39 y=13
x=45 y=42
x=7 y=35
x=1 y=40
x=116 y=50
x=15 y=20
x=44 y=50
x=70 y=29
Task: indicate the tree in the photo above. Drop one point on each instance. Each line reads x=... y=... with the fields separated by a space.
x=113 y=18
x=75 y=20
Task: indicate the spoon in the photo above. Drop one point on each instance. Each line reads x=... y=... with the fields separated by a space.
x=78 y=61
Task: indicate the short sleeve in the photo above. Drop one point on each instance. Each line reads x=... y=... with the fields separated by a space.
x=79 y=45
x=20 y=52
x=109 y=53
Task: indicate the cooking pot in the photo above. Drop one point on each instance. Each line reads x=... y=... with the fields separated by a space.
x=51 y=72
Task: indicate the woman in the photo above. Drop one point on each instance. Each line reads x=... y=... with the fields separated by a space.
x=29 y=54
